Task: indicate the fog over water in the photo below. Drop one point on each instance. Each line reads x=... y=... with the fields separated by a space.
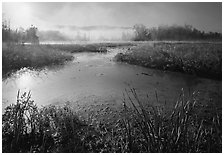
x=109 y=21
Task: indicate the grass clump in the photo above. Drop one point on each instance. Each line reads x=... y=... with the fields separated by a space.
x=27 y=128
x=17 y=56
x=201 y=59
x=180 y=130
x=139 y=128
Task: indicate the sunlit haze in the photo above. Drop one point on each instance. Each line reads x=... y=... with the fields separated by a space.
x=120 y=17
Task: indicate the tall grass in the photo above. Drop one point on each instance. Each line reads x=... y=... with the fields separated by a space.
x=27 y=128
x=179 y=130
x=17 y=56
x=201 y=59
x=139 y=128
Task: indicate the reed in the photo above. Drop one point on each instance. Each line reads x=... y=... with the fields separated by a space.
x=180 y=130
x=139 y=128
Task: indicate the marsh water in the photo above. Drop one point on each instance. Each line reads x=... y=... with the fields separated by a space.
x=95 y=78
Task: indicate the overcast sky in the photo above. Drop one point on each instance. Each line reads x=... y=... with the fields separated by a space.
x=203 y=16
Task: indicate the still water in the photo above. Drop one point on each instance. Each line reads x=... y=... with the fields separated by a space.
x=95 y=77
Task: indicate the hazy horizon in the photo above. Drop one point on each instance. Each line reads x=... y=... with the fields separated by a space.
x=47 y=15
x=111 y=19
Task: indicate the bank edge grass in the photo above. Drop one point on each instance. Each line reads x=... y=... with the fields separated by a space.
x=88 y=47
x=139 y=128
x=181 y=130
x=201 y=59
x=16 y=56
x=27 y=128
x=36 y=56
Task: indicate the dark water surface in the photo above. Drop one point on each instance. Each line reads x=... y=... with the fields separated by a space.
x=95 y=77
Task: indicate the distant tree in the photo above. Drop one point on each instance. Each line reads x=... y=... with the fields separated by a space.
x=174 y=32
x=19 y=35
x=5 y=29
x=141 y=33
x=31 y=35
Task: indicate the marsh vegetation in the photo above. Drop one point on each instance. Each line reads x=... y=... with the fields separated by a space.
x=188 y=124
x=137 y=128
x=200 y=59
x=37 y=56
x=16 y=56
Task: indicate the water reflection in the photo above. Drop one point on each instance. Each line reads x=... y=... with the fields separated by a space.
x=25 y=81
x=94 y=74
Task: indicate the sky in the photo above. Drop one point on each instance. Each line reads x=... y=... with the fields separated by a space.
x=51 y=15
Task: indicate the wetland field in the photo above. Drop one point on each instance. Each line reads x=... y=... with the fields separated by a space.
x=129 y=96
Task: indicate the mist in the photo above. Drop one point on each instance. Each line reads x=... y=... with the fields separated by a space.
x=97 y=33
x=108 y=21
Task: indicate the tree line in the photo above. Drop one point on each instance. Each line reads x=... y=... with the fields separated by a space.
x=19 y=35
x=141 y=33
x=175 y=32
